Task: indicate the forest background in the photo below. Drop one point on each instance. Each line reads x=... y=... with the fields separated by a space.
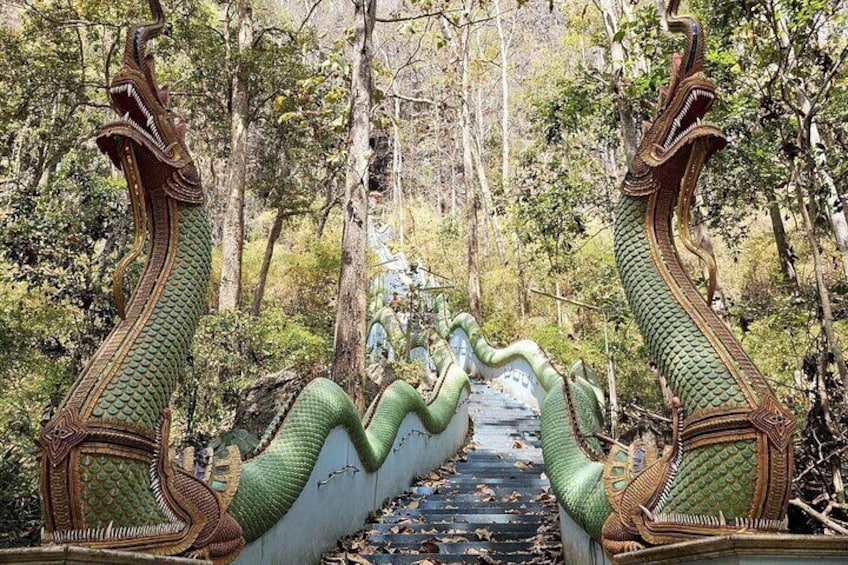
x=499 y=133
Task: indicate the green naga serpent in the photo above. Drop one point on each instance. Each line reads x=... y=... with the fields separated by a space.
x=730 y=465
x=108 y=479
x=729 y=468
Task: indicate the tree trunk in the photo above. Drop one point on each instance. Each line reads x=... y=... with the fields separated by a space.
x=259 y=291
x=821 y=287
x=521 y=268
x=701 y=235
x=831 y=426
x=331 y=198
x=612 y=11
x=397 y=171
x=559 y=309
x=232 y=242
x=351 y=307
x=505 y=170
x=784 y=252
x=810 y=143
x=471 y=197
x=611 y=381
x=488 y=201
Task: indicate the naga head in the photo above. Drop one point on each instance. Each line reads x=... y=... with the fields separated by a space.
x=679 y=128
x=678 y=143
x=146 y=141
x=141 y=104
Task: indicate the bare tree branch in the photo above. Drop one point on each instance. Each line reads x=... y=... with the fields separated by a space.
x=416 y=17
x=812 y=512
x=412 y=99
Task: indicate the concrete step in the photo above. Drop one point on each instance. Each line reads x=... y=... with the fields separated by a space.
x=488 y=512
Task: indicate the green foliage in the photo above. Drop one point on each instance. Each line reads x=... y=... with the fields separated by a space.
x=649 y=43
x=303 y=278
x=407 y=370
x=550 y=209
x=233 y=350
x=501 y=327
x=289 y=343
x=34 y=330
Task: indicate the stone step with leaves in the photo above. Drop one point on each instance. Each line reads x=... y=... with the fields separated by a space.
x=490 y=505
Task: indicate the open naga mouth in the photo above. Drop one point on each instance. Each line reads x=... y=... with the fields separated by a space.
x=690 y=116
x=136 y=114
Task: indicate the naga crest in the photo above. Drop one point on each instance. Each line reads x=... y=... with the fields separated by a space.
x=160 y=154
x=678 y=143
x=143 y=108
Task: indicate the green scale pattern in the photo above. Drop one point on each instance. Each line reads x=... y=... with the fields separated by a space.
x=719 y=477
x=715 y=478
x=682 y=352
x=575 y=478
x=271 y=482
x=144 y=382
x=114 y=489
x=148 y=375
x=387 y=318
x=118 y=490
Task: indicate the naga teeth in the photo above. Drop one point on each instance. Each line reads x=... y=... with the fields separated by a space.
x=698 y=520
x=674 y=135
x=151 y=132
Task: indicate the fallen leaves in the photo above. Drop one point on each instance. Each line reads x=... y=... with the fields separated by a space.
x=514 y=497
x=436 y=519
x=485 y=493
x=483 y=534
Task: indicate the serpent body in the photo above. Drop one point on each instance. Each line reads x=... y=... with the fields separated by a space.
x=730 y=465
x=108 y=478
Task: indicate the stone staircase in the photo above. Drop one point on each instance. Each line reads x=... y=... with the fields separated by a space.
x=491 y=506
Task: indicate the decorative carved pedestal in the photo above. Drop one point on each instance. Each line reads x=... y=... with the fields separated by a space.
x=748 y=549
x=72 y=555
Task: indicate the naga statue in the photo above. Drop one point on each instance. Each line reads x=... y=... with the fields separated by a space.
x=730 y=465
x=110 y=480
x=108 y=477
